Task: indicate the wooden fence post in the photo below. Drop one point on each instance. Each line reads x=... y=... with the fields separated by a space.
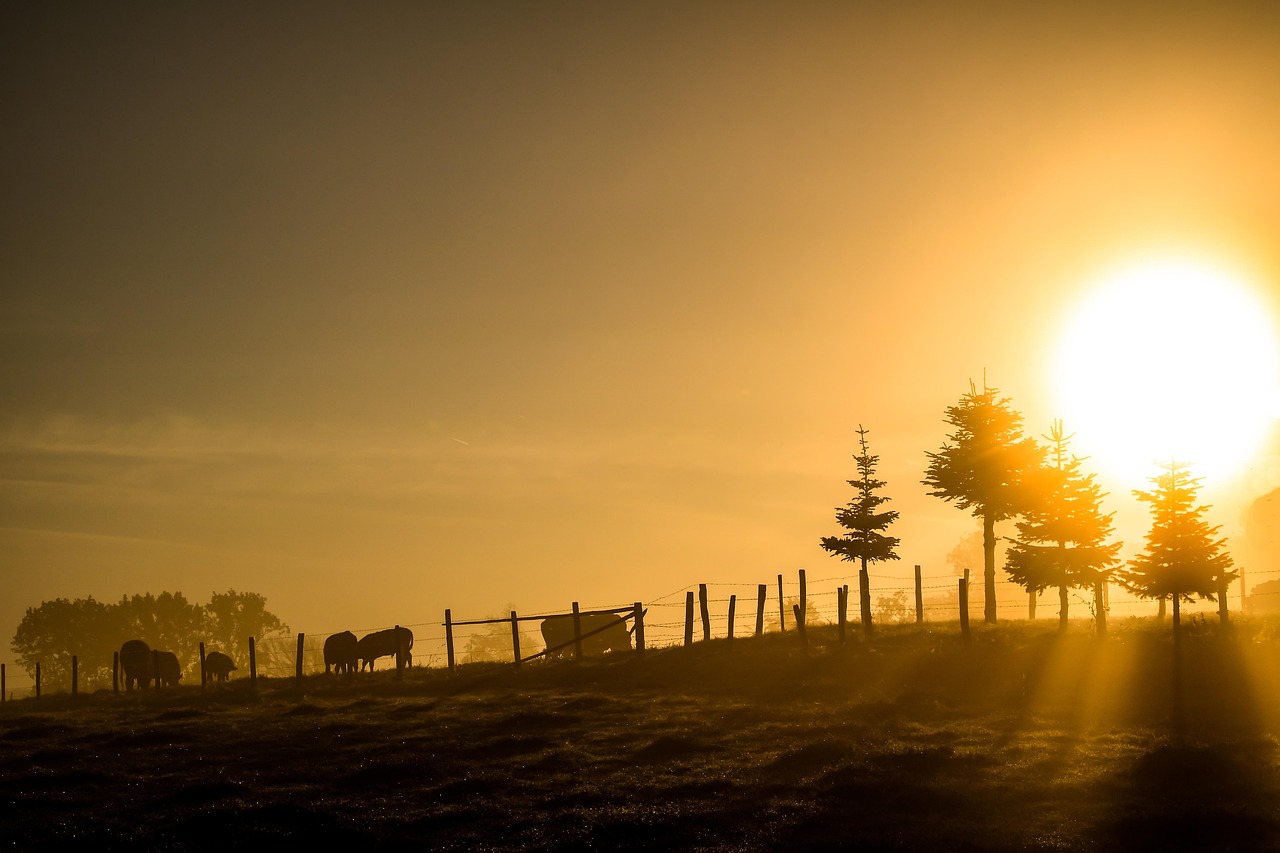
x=1100 y=608
x=919 y=598
x=298 y=665
x=706 y=613
x=762 y=591
x=804 y=639
x=688 y=619
x=1242 y=590
x=782 y=608
x=515 y=638
x=399 y=651
x=577 y=632
x=804 y=599
x=448 y=639
x=637 y=612
x=203 y=678
x=733 y=605
x=964 y=607
x=842 y=605
x=253 y=663
x=37 y=679
x=75 y=675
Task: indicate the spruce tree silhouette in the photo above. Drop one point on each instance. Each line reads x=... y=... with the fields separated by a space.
x=1063 y=536
x=982 y=469
x=865 y=540
x=1183 y=557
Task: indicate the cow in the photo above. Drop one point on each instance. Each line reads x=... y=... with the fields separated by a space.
x=608 y=634
x=340 y=653
x=217 y=667
x=383 y=643
x=135 y=663
x=168 y=672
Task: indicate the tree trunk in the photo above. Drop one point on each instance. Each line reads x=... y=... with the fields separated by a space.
x=1100 y=608
x=864 y=598
x=1063 y=604
x=1177 y=620
x=1161 y=613
x=989 y=567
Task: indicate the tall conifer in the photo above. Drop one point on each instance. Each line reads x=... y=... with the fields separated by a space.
x=861 y=517
x=983 y=468
x=1063 y=536
x=1183 y=557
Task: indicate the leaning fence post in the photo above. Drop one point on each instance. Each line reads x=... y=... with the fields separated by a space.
x=203 y=677
x=577 y=632
x=804 y=599
x=782 y=608
x=448 y=638
x=761 y=592
x=688 y=619
x=515 y=637
x=919 y=598
x=964 y=607
x=733 y=605
x=804 y=638
x=706 y=614
x=253 y=663
x=75 y=675
x=638 y=612
x=298 y=665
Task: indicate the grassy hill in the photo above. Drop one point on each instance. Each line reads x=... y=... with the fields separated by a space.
x=1024 y=739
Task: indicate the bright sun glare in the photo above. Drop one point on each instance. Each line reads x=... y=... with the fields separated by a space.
x=1168 y=357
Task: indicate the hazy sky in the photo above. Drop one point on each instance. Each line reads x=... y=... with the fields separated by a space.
x=379 y=309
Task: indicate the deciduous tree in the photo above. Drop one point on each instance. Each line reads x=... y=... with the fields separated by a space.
x=982 y=468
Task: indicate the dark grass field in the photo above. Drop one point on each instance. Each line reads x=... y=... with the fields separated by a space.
x=1025 y=740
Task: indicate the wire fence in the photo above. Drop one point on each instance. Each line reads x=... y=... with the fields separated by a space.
x=892 y=598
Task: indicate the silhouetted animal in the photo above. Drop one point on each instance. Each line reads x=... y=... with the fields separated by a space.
x=135 y=663
x=340 y=652
x=217 y=666
x=383 y=643
x=613 y=636
x=167 y=669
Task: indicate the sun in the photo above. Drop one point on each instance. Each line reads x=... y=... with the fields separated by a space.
x=1169 y=358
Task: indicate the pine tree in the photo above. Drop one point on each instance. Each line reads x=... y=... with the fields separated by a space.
x=983 y=469
x=1183 y=556
x=866 y=540
x=1063 y=536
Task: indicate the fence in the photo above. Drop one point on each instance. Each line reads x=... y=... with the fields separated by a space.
x=659 y=623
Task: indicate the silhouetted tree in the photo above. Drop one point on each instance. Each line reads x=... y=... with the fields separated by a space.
x=231 y=618
x=56 y=630
x=982 y=469
x=92 y=631
x=1063 y=536
x=1183 y=556
x=865 y=541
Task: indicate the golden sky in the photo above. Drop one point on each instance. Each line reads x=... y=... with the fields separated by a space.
x=382 y=310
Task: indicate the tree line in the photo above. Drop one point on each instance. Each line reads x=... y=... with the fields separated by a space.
x=1064 y=540
x=92 y=630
